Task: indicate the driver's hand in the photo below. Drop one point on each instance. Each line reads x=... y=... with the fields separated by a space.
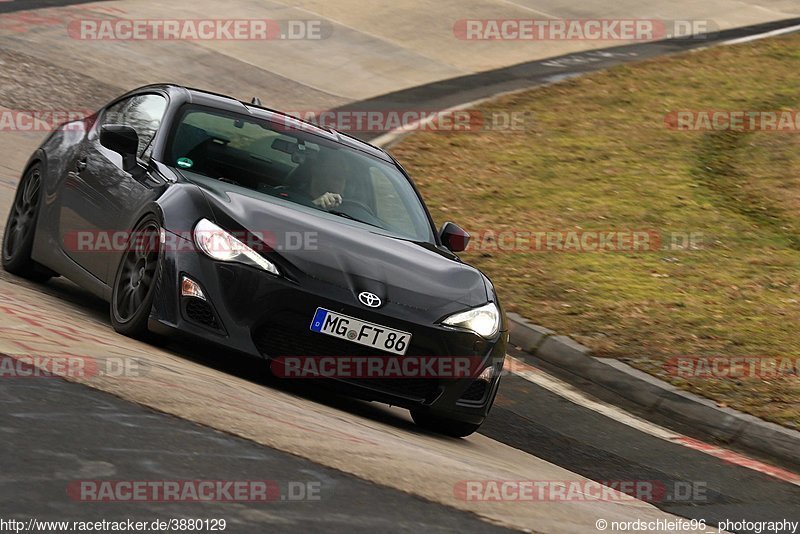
x=328 y=201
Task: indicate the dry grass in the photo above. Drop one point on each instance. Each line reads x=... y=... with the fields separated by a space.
x=598 y=155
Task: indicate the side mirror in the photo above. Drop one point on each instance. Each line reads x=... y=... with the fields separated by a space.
x=124 y=141
x=454 y=237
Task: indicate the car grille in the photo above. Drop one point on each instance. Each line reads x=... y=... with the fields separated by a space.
x=276 y=341
x=200 y=311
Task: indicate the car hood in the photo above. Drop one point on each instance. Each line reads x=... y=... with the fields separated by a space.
x=348 y=255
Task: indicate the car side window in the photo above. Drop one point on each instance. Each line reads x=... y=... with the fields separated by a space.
x=143 y=113
x=388 y=202
x=114 y=114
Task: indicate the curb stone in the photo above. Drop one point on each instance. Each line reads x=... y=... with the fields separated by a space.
x=654 y=395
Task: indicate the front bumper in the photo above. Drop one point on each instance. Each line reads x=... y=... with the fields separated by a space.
x=258 y=314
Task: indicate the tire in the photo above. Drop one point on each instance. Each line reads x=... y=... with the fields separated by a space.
x=442 y=425
x=21 y=229
x=136 y=280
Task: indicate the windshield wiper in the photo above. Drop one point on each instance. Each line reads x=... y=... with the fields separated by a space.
x=348 y=216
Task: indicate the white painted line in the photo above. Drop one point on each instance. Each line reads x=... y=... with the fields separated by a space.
x=526 y=8
x=574 y=395
x=773 y=33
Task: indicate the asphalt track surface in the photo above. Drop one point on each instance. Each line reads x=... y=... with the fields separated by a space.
x=11 y=6
x=56 y=432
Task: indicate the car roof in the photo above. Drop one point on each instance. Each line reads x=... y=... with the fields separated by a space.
x=228 y=103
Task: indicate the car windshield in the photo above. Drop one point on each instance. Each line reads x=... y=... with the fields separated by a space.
x=298 y=167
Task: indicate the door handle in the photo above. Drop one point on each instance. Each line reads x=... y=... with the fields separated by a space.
x=81 y=165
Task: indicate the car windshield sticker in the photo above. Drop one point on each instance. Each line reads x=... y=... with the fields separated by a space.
x=185 y=163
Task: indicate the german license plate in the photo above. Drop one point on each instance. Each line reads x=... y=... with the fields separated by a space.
x=361 y=332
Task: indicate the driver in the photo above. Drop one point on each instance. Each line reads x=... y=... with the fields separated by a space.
x=323 y=180
x=320 y=182
x=326 y=187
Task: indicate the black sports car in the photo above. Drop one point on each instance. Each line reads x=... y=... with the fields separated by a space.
x=196 y=213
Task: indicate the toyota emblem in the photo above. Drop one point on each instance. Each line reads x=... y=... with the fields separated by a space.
x=371 y=300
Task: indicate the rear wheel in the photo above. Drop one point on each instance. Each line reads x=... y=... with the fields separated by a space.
x=442 y=425
x=21 y=228
x=136 y=279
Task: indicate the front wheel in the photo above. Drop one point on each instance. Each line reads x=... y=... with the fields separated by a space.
x=442 y=425
x=21 y=227
x=136 y=279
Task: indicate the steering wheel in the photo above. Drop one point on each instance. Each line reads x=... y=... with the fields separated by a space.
x=356 y=204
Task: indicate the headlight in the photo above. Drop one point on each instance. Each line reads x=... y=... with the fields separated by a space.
x=218 y=244
x=484 y=321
